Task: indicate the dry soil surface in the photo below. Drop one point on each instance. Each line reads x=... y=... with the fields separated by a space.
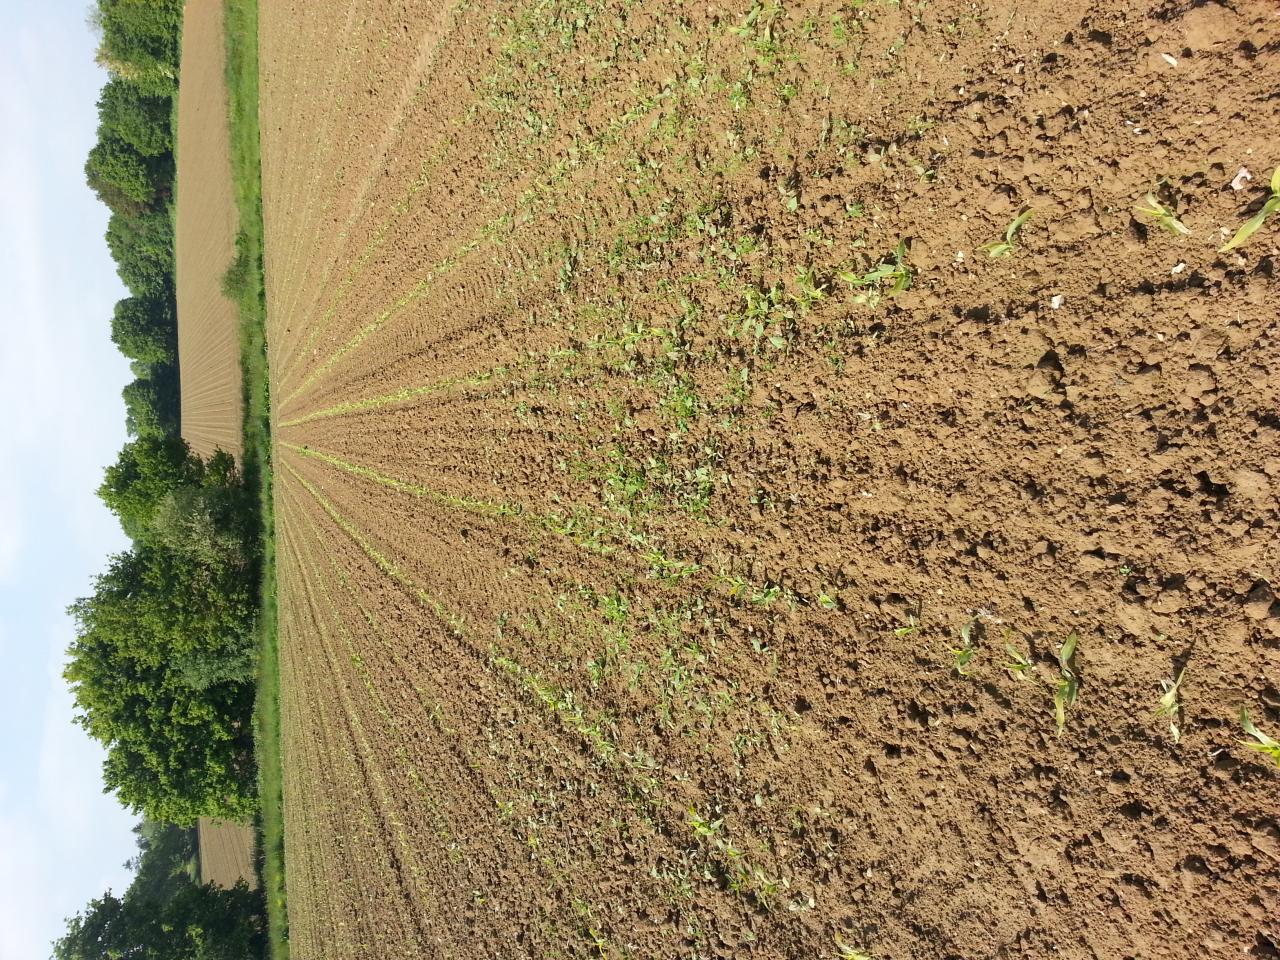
x=226 y=853
x=208 y=338
x=659 y=578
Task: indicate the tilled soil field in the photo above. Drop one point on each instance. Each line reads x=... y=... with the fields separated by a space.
x=226 y=853
x=713 y=522
x=208 y=338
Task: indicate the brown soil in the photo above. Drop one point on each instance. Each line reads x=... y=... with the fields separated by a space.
x=226 y=853
x=208 y=339
x=620 y=596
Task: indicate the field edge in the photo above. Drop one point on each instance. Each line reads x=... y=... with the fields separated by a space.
x=245 y=282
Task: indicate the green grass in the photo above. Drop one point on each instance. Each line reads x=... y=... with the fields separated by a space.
x=244 y=282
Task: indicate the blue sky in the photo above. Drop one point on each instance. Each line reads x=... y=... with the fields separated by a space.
x=62 y=841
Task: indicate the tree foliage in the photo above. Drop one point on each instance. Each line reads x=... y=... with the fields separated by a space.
x=161 y=671
x=152 y=403
x=141 y=120
x=141 y=42
x=142 y=245
x=125 y=179
x=196 y=923
x=145 y=330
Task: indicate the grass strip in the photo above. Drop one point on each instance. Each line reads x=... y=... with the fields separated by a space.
x=245 y=284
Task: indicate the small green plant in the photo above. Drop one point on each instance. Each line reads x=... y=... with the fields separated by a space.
x=850 y=953
x=1068 y=686
x=1163 y=216
x=1265 y=745
x=912 y=625
x=809 y=289
x=826 y=601
x=887 y=278
x=963 y=655
x=765 y=596
x=1169 y=705
x=702 y=827
x=1019 y=665
x=1002 y=248
x=1252 y=225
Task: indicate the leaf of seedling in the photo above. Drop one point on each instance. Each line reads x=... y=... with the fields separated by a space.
x=1002 y=248
x=1266 y=745
x=963 y=654
x=887 y=278
x=1018 y=664
x=1169 y=705
x=850 y=953
x=1163 y=216
x=1254 y=223
x=912 y=627
x=1068 y=686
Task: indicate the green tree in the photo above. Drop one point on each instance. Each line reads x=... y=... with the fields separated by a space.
x=152 y=403
x=141 y=42
x=144 y=328
x=161 y=671
x=125 y=179
x=142 y=121
x=198 y=923
x=142 y=245
x=146 y=471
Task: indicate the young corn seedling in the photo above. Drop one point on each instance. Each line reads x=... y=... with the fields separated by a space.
x=1019 y=665
x=701 y=827
x=1266 y=745
x=1170 y=706
x=850 y=953
x=1002 y=248
x=912 y=625
x=1068 y=686
x=1163 y=216
x=1252 y=225
x=887 y=278
x=809 y=289
x=962 y=655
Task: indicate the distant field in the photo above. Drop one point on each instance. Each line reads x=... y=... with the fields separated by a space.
x=226 y=853
x=208 y=340
x=713 y=522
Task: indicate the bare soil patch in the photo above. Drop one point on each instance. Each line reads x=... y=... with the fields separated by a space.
x=657 y=581
x=226 y=853
x=208 y=340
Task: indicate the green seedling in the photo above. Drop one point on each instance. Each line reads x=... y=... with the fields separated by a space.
x=1018 y=665
x=701 y=827
x=1265 y=745
x=826 y=601
x=962 y=655
x=1068 y=686
x=765 y=596
x=1252 y=225
x=887 y=278
x=911 y=628
x=1169 y=705
x=1163 y=216
x=851 y=953
x=1002 y=248
x=809 y=289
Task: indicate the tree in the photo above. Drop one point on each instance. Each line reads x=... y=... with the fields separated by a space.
x=144 y=328
x=142 y=121
x=125 y=179
x=198 y=923
x=142 y=245
x=152 y=404
x=146 y=471
x=161 y=671
x=141 y=42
